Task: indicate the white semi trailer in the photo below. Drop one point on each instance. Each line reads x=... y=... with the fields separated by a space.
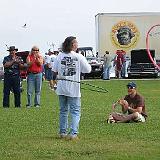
x=128 y=32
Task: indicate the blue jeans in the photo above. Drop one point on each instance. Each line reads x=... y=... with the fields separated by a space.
x=123 y=73
x=34 y=81
x=106 y=72
x=72 y=105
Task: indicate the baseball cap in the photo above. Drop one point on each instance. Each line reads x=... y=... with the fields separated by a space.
x=132 y=85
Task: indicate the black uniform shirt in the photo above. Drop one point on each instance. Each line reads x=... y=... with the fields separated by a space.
x=13 y=69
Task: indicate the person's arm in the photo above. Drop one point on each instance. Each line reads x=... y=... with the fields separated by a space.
x=8 y=64
x=11 y=62
x=21 y=66
x=39 y=60
x=20 y=63
x=28 y=61
x=126 y=107
x=85 y=66
x=123 y=103
x=55 y=66
x=132 y=110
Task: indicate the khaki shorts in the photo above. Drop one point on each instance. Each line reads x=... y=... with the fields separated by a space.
x=140 y=117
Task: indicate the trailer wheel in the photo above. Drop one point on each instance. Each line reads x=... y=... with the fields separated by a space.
x=156 y=75
x=129 y=75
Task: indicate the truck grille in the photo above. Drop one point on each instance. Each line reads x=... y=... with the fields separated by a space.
x=142 y=67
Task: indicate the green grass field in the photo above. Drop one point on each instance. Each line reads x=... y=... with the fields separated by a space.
x=31 y=134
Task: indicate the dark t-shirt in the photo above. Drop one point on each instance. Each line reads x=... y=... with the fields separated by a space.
x=135 y=102
x=13 y=69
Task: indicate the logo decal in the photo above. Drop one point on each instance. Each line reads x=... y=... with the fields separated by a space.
x=125 y=35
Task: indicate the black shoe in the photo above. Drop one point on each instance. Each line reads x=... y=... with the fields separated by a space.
x=28 y=106
x=5 y=106
x=37 y=106
x=17 y=106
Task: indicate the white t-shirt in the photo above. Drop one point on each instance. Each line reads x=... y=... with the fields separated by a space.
x=108 y=60
x=46 y=59
x=53 y=57
x=69 y=66
x=50 y=60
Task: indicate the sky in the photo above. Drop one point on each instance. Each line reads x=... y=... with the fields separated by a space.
x=51 y=21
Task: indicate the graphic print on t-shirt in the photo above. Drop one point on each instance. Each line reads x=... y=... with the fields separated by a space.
x=68 y=66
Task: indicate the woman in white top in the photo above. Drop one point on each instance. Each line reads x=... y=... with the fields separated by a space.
x=68 y=65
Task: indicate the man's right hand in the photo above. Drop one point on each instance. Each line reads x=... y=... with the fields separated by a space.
x=113 y=106
x=124 y=103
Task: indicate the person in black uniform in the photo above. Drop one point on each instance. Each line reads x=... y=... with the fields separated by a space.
x=12 y=65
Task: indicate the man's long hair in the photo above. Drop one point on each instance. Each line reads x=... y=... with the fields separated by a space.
x=67 y=44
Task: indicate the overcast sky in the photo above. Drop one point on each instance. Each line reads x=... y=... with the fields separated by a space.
x=51 y=21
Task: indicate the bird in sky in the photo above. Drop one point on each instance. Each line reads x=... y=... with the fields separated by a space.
x=25 y=25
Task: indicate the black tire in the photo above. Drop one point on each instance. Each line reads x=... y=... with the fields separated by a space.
x=156 y=75
x=129 y=75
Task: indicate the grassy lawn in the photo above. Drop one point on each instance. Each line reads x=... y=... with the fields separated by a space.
x=31 y=134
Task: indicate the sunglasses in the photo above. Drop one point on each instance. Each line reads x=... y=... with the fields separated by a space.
x=35 y=49
x=12 y=50
x=130 y=87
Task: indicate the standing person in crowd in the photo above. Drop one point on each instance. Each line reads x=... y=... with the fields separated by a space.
x=123 y=73
x=34 y=78
x=69 y=65
x=49 y=68
x=54 y=82
x=45 y=66
x=133 y=104
x=107 y=66
x=12 y=65
x=119 y=63
x=97 y=54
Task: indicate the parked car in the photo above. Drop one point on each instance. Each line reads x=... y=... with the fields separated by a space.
x=97 y=67
x=85 y=51
x=158 y=62
x=141 y=65
x=23 y=55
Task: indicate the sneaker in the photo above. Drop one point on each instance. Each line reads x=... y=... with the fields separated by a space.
x=111 y=119
x=37 y=106
x=28 y=106
x=62 y=135
x=73 y=137
x=55 y=87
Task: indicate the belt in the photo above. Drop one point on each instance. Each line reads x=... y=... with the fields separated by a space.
x=33 y=72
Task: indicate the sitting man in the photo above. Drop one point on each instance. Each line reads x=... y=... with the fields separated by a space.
x=133 y=107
